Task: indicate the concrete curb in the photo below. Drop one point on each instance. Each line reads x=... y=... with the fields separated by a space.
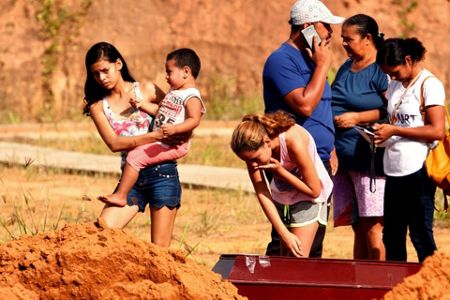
x=204 y=176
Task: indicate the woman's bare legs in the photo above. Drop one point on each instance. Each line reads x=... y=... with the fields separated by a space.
x=373 y=226
x=306 y=236
x=118 y=217
x=368 y=239
x=163 y=221
x=360 y=242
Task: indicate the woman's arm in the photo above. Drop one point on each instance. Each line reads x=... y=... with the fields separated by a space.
x=265 y=200
x=297 y=142
x=114 y=142
x=433 y=129
x=350 y=119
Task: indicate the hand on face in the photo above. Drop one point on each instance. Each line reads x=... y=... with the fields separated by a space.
x=322 y=53
x=273 y=164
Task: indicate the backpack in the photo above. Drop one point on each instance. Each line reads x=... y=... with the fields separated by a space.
x=438 y=160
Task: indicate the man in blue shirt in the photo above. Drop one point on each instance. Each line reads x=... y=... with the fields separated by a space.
x=295 y=80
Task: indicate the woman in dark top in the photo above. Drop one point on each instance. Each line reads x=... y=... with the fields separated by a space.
x=358 y=99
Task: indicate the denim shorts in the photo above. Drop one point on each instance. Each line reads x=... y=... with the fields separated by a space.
x=157 y=185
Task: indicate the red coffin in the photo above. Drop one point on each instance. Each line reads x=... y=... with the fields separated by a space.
x=273 y=277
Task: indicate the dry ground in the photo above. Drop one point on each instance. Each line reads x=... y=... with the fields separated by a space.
x=209 y=222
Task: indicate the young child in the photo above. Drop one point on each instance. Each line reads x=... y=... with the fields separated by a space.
x=295 y=201
x=179 y=112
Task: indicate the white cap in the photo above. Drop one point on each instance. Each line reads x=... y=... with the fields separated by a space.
x=310 y=11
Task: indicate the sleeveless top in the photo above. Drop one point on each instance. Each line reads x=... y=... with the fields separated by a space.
x=172 y=109
x=137 y=123
x=283 y=192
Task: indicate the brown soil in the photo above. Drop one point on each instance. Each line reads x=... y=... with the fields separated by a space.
x=92 y=262
x=42 y=61
x=431 y=282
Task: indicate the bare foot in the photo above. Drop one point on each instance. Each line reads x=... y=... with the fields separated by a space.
x=113 y=199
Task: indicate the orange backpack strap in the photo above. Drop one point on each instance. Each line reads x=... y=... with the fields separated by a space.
x=422 y=99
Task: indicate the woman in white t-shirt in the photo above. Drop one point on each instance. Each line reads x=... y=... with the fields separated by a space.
x=409 y=193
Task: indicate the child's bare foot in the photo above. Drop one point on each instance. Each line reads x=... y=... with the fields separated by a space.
x=114 y=199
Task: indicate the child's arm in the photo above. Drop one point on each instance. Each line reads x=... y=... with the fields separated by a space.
x=193 y=116
x=145 y=106
x=152 y=96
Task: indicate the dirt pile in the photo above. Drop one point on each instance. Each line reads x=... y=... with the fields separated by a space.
x=92 y=262
x=431 y=282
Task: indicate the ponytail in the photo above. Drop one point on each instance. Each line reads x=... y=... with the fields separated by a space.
x=249 y=134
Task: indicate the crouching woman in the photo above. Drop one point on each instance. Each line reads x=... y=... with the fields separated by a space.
x=295 y=199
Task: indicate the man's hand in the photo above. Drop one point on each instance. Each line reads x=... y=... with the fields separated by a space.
x=334 y=162
x=322 y=55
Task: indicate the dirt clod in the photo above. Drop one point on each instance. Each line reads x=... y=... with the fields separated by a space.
x=431 y=282
x=94 y=262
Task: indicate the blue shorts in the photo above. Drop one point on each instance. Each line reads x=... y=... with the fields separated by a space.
x=157 y=185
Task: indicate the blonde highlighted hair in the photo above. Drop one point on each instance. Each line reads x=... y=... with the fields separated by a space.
x=249 y=134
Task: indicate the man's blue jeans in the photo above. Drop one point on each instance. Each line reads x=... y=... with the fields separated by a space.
x=409 y=203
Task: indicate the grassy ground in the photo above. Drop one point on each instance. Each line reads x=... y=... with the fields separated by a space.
x=210 y=222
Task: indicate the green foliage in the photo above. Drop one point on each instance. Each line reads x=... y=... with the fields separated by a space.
x=60 y=26
x=13 y=117
x=441 y=216
x=225 y=103
x=331 y=75
x=26 y=221
x=405 y=10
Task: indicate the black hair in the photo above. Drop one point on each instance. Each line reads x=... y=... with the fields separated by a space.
x=186 y=57
x=394 y=51
x=366 y=25
x=94 y=92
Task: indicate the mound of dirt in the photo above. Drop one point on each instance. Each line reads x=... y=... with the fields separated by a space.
x=90 y=261
x=431 y=282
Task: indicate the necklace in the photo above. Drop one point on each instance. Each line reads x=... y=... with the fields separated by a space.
x=414 y=79
x=410 y=84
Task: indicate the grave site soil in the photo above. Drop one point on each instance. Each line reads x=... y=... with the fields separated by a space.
x=90 y=261
x=431 y=282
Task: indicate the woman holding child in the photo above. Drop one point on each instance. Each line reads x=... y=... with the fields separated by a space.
x=111 y=94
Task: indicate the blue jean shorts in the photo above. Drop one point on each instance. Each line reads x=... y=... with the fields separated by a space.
x=157 y=185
